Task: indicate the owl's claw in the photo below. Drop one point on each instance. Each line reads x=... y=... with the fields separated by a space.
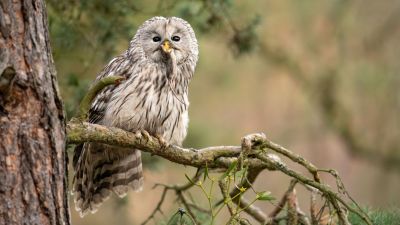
x=145 y=134
x=164 y=144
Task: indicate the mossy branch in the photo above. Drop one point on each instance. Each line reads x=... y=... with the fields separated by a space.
x=255 y=153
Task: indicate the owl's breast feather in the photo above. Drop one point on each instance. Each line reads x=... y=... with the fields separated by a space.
x=147 y=104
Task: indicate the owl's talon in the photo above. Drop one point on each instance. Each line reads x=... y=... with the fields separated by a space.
x=163 y=143
x=145 y=134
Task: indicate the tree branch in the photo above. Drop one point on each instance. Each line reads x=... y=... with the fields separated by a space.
x=251 y=154
x=215 y=157
x=80 y=132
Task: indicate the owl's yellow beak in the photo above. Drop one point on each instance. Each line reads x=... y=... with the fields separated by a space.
x=166 y=47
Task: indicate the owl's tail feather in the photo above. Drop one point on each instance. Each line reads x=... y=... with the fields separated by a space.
x=101 y=170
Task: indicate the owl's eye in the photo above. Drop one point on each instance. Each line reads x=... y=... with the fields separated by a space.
x=156 y=39
x=176 y=38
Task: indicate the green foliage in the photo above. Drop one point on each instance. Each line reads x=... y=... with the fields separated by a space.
x=379 y=217
x=245 y=39
x=265 y=196
x=229 y=171
x=233 y=179
x=200 y=19
x=99 y=24
x=96 y=23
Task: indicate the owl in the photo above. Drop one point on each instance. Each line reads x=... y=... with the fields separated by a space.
x=157 y=67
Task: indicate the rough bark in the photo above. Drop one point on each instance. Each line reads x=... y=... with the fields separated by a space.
x=33 y=185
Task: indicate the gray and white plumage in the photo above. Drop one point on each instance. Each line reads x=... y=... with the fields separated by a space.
x=154 y=97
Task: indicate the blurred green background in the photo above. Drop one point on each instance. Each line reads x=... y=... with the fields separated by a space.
x=319 y=77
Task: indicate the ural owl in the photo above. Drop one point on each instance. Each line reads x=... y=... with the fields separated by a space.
x=158 y=66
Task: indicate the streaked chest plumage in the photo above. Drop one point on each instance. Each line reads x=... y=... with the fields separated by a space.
x=151 y=100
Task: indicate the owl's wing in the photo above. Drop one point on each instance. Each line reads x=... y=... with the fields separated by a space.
x=100 y=169
x=121 y=66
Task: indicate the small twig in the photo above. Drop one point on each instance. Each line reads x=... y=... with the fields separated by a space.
x=300 y=215
x=341 y=214
x=187 y=206
x=294 y=213
x=320 y=213
x=183 y=187
x=157 y=208
x=178 y=190
x=227 y=198
x=253 y=211
x=313 y=207
x=294 y=157
x=292 y=208
x=198 y=208
x=321 y=187
x=245 y=204
x=283 y=200
x=303 y=219
x=247 y=183
x=229 y=203
x=343 y=190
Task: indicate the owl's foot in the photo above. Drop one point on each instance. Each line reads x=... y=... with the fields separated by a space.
x=144 y=134
x=164 y=144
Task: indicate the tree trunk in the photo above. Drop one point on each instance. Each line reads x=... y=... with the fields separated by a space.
x=33 y=183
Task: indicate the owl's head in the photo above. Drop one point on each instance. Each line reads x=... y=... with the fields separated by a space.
x=161 y=37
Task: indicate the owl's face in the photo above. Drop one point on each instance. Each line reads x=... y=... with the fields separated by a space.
x=162 y=37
